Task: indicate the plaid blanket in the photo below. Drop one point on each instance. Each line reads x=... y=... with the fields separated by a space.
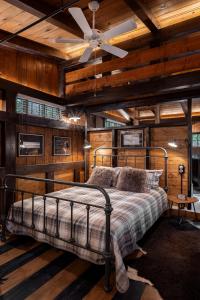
x=133 y=214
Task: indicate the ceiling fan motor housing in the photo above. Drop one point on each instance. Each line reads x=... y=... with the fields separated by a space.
x=93 y=6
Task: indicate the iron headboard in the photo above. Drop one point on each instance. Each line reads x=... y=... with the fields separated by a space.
x=115 y=156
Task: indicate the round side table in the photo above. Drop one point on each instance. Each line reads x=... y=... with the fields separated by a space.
x=181 y=204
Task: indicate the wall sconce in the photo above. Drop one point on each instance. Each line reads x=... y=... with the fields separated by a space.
x=173 y=144
x=72 y=114
x=87 y=145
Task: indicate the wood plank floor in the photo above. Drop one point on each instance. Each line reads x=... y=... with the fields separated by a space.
x=36 y=271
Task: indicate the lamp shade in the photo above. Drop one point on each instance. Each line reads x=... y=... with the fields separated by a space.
x=87 y=145
x=173 y=144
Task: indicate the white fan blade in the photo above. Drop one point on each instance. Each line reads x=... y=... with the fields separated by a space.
x=119 y=29
x=80 y=19
x=65 y=40
x=86 y=55
x=114 y=50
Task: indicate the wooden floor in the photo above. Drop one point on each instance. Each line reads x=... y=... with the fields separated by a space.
x=31 y=270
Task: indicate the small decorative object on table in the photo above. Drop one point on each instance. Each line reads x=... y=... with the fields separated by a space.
x=182 y=201
x=182 y=196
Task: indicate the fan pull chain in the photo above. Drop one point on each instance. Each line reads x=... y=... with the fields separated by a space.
x=95 y=71
x=93 y=20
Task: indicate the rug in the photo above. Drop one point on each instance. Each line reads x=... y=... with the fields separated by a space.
x=32 y=270
x=173 y=260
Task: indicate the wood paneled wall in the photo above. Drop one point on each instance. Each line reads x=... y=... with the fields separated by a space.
x=48 y=157
x=36 y=72
x=159 y=137
x=99 y=139
x=196 y=127
x=77 y=140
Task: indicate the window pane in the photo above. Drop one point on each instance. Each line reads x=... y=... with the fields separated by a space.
x=194 y=137
x=25 y=106
x=194 y=144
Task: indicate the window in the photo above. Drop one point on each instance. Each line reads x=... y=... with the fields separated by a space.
x=38 y=109
x=196 y=140
x=111 y=123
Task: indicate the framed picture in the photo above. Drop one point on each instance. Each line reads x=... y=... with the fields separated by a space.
x=131 y=138
x=30 y=144
x=61 y=145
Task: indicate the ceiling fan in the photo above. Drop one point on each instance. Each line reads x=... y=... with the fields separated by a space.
x=95 y=37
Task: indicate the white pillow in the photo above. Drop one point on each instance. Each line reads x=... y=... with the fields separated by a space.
x=153 y=178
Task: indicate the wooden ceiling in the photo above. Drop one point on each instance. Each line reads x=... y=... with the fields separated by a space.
x=163 y=111
x=149 y=16
x=164 y=67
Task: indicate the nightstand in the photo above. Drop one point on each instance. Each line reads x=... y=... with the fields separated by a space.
x=181 y=204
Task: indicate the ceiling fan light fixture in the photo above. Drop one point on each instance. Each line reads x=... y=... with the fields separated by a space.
x=94 y=37
x=93 y=6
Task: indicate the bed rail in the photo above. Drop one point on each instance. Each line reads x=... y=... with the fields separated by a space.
x=9 y=192
x=119 y=153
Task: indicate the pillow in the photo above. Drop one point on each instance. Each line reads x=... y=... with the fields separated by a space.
x=117 y=171
x=133 y=180
x=102 y=176
x=153 y=178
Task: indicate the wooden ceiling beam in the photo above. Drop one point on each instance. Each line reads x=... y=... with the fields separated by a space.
x=146 y=101
x=125 y=114
x=31 y=47
x=40 y=9
x=166 y=68
x=143 y=14
x=110 y=116
x=151 y=87
x=7 y=85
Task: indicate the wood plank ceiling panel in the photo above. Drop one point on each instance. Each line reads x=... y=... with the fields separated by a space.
x=13 y=19
x=169 y=12
x=111 y=13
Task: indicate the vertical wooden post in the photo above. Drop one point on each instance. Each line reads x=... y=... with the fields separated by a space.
x=10 y=148
x=136 y=117
x=49 y=187
x=148 y=144
x=157 y=114
x=11 y=101
x=61 y=82
x=114 y=144
x=189 y=122
x=76 y=175
x=86 y=152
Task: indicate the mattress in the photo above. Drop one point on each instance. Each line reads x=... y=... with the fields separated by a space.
x=133 y=214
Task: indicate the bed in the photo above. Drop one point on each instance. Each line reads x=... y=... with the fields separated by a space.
x=99 y=225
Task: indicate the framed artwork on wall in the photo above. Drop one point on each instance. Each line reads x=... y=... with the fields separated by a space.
x=61 y=145
x=30 y=144
x=132 y=138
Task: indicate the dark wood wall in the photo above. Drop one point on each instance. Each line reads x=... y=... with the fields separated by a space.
x=33 y=71
x=49 y=165
x=48 y=157
x=39 y=75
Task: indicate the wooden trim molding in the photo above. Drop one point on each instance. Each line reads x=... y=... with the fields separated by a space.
x=47 y=168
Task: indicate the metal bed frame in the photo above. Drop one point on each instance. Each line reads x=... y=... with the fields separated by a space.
x=9 y=193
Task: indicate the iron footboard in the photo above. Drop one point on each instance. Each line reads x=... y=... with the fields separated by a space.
x=9 y=197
